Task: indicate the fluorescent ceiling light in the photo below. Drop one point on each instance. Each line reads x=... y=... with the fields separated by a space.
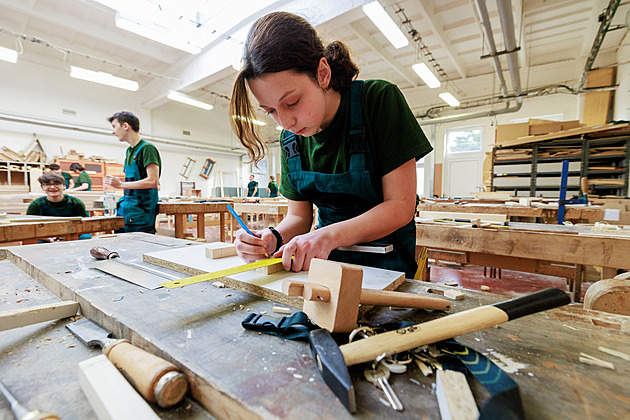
x=449 y=99
x=9 y=55
x=103 y=78
x=185 y=99
x=279 y=128
x=385 y=24
x=426 y=75
x=155 y=34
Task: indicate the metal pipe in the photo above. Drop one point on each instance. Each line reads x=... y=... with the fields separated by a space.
x=507 y=26
x=487 y=29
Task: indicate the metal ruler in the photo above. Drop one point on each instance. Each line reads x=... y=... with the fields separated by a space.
x=221 y=273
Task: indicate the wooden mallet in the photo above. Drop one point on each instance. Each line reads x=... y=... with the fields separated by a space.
x=333 y=293
x=332 y=360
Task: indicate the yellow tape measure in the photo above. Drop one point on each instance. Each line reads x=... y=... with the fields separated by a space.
x=221 y=273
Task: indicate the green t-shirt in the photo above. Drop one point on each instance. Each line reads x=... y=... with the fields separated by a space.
x=67 y=177
x=76 y=207
x=148 y=154
x=394 y=137
x=83 y=178
x=273 y=187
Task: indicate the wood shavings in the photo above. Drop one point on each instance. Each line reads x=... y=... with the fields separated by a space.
x=485 y=288
x=612 y=352
x=218 y=284
x=514 y=337
x=594 y=361
x=21 y=300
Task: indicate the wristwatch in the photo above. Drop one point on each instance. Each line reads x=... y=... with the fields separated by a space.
x=279 y=241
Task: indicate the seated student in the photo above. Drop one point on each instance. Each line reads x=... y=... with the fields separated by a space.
x=83 y=182
x=56 y=203
x=57 y=169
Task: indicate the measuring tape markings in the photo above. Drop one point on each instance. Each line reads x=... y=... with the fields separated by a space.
x=221 y=273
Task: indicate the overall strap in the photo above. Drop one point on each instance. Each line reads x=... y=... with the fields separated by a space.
x=135 y=155
x=292 y=152
x=356 y=137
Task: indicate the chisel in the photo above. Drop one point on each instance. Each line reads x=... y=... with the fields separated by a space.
x=156 y=379
x=22 y=413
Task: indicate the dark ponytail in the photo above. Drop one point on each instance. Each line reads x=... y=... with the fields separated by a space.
x=277 y=42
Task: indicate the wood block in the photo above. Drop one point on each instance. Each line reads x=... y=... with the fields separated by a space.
x=454 y=397
x=109 y=393
x=35 y=314
x=270 y=269
x=344 y=281
x=217 y=250
x=612 y=295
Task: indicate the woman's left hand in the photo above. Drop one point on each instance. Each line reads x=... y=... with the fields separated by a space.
x=303 y=248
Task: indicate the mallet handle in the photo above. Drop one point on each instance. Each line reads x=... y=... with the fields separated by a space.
x=402 y=300
x=451 y=326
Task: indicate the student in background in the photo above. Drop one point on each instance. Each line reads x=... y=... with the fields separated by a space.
x=349 y=147
x=83 y=182
x=56 y=203
x=66 y=176
x=139 y=204
x=272 y=187
x=252 y=187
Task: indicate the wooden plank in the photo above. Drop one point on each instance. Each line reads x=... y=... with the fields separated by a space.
x=245 y=375
x=559 y=247
x=109 y=393
x=454 y=396
x=571 y=213
x=16 y=318
x=192 y=260
x=574 y=132
x=437 y=179
x=25 y=231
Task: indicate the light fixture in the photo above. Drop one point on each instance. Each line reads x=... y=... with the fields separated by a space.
x=8 y=55
x=449 y=99
x=426 y=75
x=185 y=99
x=154 y=34
x=279 y=128
x=103 y=78
x=385 y=24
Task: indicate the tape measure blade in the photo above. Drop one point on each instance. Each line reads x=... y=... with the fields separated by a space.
x=221 y=273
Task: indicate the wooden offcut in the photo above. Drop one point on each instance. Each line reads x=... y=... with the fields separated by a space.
x=16 y=318
x=612 y=295
x=454 y=396
x=109 y=393
x=217 y=250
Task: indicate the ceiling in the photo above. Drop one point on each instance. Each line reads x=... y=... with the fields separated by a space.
x=554 y=37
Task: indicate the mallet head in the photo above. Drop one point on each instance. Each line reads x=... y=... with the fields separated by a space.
x=332 y=366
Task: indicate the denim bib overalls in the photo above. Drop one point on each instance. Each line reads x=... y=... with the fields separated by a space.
x=340 y=197
x=139 y=207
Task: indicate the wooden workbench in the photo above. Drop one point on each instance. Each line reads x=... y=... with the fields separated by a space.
x=239 y=374
x=30 y=231
x=574 y=214
x=277 y=209
x=528 y=246
x=181 y=210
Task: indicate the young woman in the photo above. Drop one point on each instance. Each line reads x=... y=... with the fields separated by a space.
x=349 y=147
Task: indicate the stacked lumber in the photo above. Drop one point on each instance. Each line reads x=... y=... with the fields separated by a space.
x=30 y=154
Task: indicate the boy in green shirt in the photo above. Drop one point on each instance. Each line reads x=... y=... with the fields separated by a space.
x=83 y=182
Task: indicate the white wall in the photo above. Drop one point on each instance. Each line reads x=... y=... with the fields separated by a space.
x=565 y=104
x=35 y=93
x=622 y=94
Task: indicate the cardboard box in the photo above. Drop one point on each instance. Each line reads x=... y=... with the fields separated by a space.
x=545 y=128
x=506 y=132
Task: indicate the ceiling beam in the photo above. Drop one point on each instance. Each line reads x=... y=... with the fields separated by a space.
x=429 y=21
x=410 y=77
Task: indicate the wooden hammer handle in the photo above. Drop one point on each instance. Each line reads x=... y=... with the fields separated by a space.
x=149 y=374
x=402 y=300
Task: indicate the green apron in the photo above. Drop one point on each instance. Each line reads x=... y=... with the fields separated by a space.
x=139 y=207
x=340 y=197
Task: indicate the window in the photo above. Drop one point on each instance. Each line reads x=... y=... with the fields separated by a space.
x=464 y=139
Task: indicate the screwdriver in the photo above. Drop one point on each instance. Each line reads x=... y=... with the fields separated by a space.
x=20 y=412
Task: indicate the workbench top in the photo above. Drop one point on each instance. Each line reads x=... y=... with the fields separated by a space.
x=236 y=373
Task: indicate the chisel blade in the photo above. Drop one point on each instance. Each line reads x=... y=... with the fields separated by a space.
x=89 y=333
x=131 y=274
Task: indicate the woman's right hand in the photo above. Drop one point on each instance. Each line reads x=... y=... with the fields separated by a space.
x=253 y=248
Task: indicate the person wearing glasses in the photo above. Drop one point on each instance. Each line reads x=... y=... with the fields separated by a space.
x=56 y=203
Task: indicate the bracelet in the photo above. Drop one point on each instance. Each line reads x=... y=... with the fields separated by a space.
x=279 y=240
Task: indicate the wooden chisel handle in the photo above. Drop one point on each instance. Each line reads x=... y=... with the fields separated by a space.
x=451 y=326
x=156 y=379
x=402 y=300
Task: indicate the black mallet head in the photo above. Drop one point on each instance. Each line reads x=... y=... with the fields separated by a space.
x=332 y=366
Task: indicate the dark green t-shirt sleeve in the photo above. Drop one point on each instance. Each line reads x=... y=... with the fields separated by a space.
x=148 y=154
x=394 y=130
x=84 y=178
x=33 y=208
x=78 y=208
